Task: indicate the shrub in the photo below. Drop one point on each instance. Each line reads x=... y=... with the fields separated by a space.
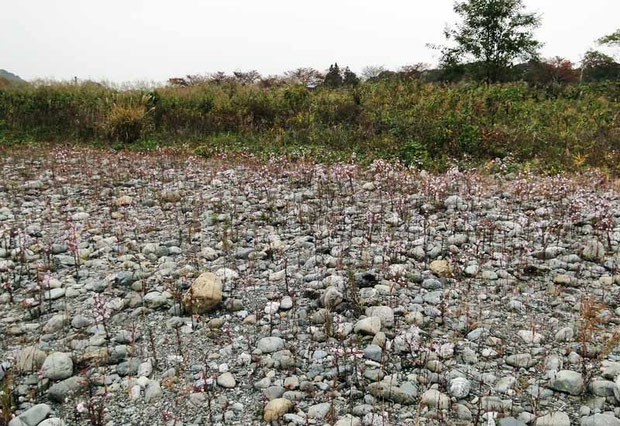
x=564 y=125
x=126 y=123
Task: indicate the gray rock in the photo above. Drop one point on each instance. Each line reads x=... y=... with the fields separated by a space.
x=509 y=421
x=600 y=420
x=432 y=398
x=601 y=387
x=370 y=325
x=405 y=394
x=55 y=421
x=226 y=380
x=348 y=420
x=557 y=418
x=57 y=366
x=80 y=321
x=33 y=416
x=373 y=352
x=384 y=313
x=319 y=411
x=270 y=344
x=593 y=250
x=128 y=368
x=567 y=381
x=153 y=391
x=460 y=387
x=524 y=360
x=61 y=390
x=55 y=323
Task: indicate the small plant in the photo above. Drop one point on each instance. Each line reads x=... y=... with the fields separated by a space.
x=101 y=312
x=6 y=398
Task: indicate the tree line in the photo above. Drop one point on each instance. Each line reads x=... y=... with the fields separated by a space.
x=493 y=41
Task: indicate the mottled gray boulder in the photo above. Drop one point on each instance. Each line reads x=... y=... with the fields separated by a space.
x=405 y=394
x=557 y=418
x=432 y=398
x=600 y=420
x=270 y=344
x=524 y=360
x=33 y=416
x=61 y=390
x=567 y=381
x=57 y=366
x=460 y=387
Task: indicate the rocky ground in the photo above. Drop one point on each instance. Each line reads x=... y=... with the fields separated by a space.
x=166 y=290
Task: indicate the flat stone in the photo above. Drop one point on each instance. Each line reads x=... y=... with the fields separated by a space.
x=405 y=394
x=601 y=419
x=557 y=418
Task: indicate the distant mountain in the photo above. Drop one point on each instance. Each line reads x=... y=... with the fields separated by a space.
x=10 y=76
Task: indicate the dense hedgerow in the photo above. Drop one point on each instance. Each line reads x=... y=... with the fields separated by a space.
x=561 y=127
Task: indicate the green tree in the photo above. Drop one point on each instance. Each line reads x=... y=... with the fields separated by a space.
x=349 y=78
x=490 y=37
x=333 y=77
x=597 y=66
x=612 y=39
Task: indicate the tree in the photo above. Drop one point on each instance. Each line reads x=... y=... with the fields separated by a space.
x=554 y=70
x=309 y=77
x=491 y=36
x=349 y=78
x=333 y=78
x=372 y=72
x=597 y=66
x=611 y=40
x=412 y=72
x=247 y=77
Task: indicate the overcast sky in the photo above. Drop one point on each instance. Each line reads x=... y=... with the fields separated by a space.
x=152 y=40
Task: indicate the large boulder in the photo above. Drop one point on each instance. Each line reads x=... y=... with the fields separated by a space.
x=204 y=294
x=57 y=366
x=33 y=416
x=567 y=381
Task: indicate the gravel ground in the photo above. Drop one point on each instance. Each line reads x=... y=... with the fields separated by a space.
x=161 y=289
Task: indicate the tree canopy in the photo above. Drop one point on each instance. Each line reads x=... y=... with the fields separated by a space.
x=491 y=35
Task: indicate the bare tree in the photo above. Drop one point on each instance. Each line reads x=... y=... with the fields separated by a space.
x=372 y=71
x=309 y=77
x=247 y=77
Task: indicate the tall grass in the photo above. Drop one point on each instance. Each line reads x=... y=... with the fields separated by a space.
x=562 y=127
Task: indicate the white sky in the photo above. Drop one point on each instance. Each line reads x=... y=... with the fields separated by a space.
x=152 y=40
